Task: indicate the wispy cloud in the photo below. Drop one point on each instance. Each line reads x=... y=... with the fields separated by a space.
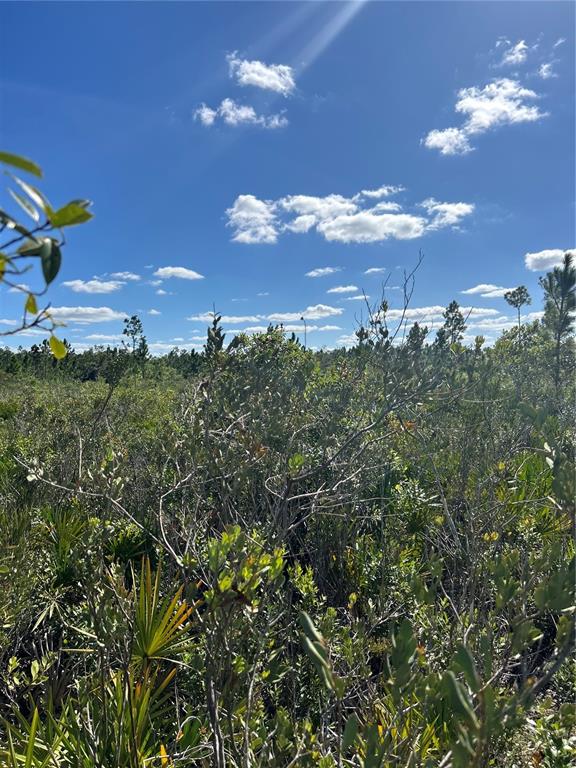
x=323 y=271
x=375 y=270
x=154 y=312
x=515 y=54
x=271 y=77
x=233 y=114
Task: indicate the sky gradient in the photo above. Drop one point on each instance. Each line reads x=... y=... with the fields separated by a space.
x=275 y=160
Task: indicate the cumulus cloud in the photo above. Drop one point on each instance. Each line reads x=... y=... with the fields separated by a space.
x=271 y=77
x=233 y=114
x=371 y=227
x=446 y=214
x=183 y=273
x=338 y=219
x=547 y=259
x=315 y=312
x=131 y=276
x=85 y=315
x=487 y=290
x=252 y=220
x=386 y=190
x=93 y=286
x=323 y=271
x=343 y=289
x=501 y=102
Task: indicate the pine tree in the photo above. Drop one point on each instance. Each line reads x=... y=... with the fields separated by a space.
x=559 y=306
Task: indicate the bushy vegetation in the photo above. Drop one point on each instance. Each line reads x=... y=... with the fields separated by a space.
x=263 y=555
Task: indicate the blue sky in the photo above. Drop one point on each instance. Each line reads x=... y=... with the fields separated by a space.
x=254 y=143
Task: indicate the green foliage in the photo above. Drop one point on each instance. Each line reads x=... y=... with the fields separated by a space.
x=263 y=555
x=27 y=244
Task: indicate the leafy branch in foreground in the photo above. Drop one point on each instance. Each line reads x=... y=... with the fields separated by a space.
x=26 y=244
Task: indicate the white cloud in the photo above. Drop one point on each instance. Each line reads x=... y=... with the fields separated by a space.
x=323 y=271
x=233 y=114
x=8 y=322
x=86 y=315
x=163 y=347
x=343 y=289
x=253 y=220
x=301 y=224
x=546 y=71
x=446 y=214
x=315 y=312
x=93 y=286
x=289 y=328
x=263 y=293
x=321 y=208
x=181 y=272
x=487 y=291
x=515 y=54
x=338 y=218
x=434 y=313
x=560 y=41
x=501 y=102
x=162 y=292
x=272 y=77
x=110 y=337
x=207 y=317
x=206 y=115
x=547 y=259
x=369 y=227
x=348 y=340
x=374 y=270
x=386 y=207
x=360 y=297
x=154 y=312
x=384 y=191
x=19 y=287
x=449 y=141
x=132 y=276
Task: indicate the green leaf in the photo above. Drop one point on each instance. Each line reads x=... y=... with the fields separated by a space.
x=70 y=214
x=16 y=161
x=464 y=659
x=309 y=628
x=51 y=260
x=25 y=205
x=34 y=194
x=350 y=732
x=58 y=348
x=31 y=306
